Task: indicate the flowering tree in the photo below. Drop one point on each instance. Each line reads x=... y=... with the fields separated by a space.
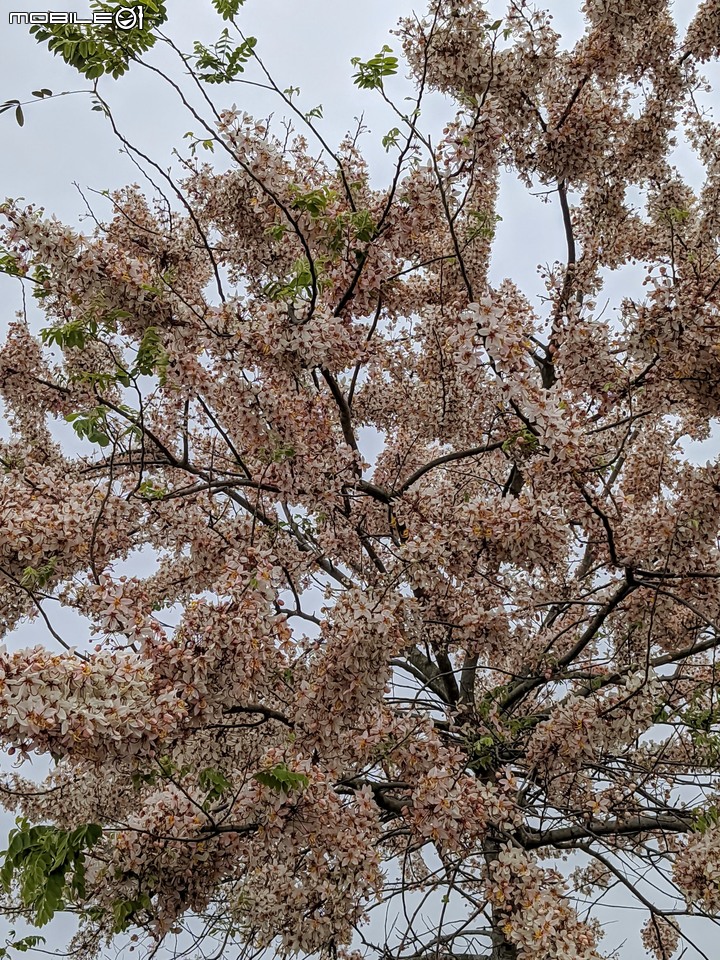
x=429 y=679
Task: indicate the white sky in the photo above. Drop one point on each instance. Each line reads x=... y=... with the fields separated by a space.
x=305 y=44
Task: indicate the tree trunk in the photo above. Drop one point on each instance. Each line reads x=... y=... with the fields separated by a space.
x=502 y=948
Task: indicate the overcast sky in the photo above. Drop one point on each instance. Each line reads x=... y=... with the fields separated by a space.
x=305 y=44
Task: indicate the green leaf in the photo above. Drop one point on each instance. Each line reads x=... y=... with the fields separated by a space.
x=74 y=333
x=363 y=225
x=91 y=426
x=19 y=115
x=391 y=139
x=705 y=818
x=370 y=73
x=482 y=224
x=141 y=779
x=124 y=911
x=675 y=215
x=277 y=231
x=298 y=284
x=214 y=783
x=38 y=577
x=227 y=8
x=47 y=865
x=148 y=490
x=220 y=63
x=281 y=779
x=23 y=945
x=103 y=381
x=9 y=264
x=151 y=357
x=106 y=49
x=314 y=202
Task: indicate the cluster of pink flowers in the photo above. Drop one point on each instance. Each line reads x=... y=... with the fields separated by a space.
x=455 y=810
x=660 y=937
x=533 y=911
x=488 y=642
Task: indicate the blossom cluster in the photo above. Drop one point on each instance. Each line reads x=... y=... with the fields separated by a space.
x=379 y=567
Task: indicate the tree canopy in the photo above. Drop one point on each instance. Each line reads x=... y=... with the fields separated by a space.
x=435 y=598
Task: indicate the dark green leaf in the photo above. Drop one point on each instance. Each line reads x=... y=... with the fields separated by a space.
x=227 y=8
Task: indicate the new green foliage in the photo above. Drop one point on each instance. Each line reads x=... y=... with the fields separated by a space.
x=222 y=62
x=281 y=779
x=46 y=865
x=227 y=8
x=371 y=73
x=98 y=49
x=22 y=945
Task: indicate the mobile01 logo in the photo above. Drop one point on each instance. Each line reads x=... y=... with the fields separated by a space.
x=124 y=18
